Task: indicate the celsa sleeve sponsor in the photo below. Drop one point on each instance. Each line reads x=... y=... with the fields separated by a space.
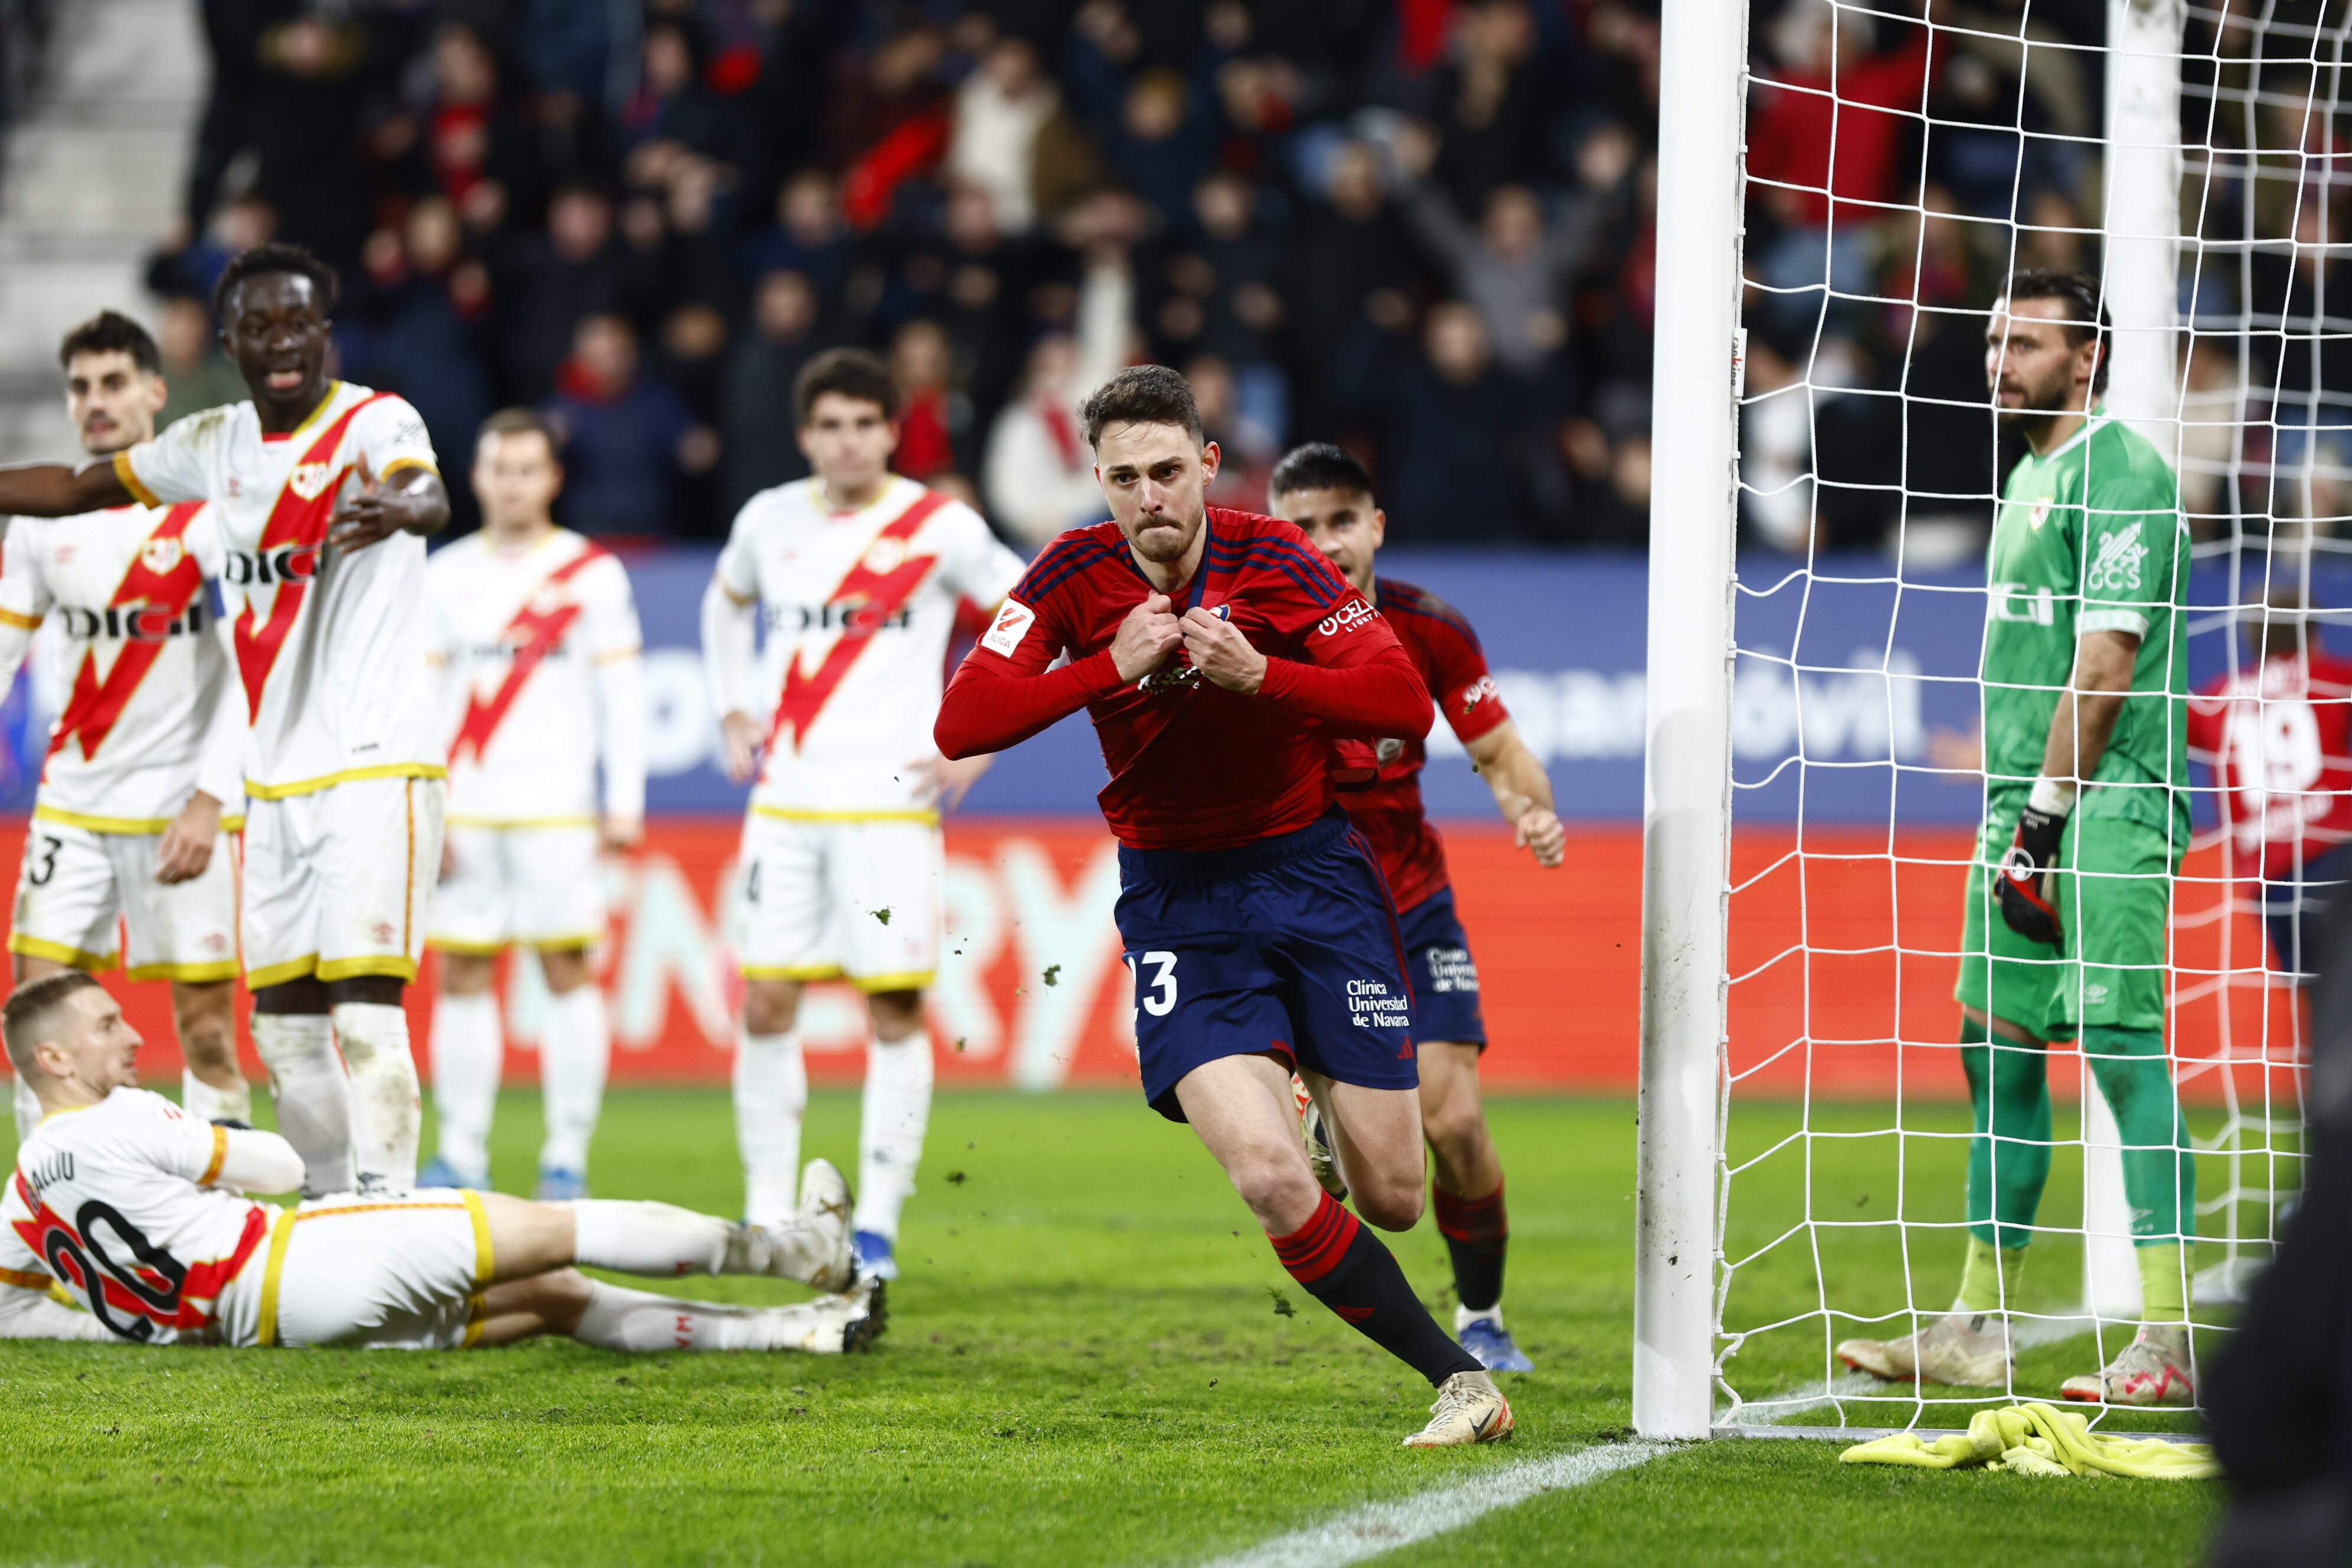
x=1012 y=622
x=1479 y=690
x=1346 y=618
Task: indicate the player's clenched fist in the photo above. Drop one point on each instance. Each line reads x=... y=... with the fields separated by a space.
x=1145 y=638
x=1219 y=651
x=1541 y=831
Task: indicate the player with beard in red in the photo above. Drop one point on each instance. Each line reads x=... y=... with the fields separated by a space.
x=1222 y=658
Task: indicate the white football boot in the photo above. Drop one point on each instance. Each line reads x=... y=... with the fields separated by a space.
x=1469 y=1409
x=2151 y=1369
x=814 y=1247
x=1321 y=1157
x=1965 y=1349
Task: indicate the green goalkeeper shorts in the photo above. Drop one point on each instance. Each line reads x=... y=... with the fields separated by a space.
x=2112 y=903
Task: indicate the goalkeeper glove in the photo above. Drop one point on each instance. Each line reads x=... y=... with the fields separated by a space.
x=2018 y=881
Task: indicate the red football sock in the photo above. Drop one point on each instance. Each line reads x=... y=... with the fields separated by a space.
x=1345 y=1266
x=1476 y=1232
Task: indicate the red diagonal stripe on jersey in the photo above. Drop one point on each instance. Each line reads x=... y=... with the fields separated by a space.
x=69 y=1257
x=875 y=597
x=535 y=634
x=154 y=599
x=300 y=522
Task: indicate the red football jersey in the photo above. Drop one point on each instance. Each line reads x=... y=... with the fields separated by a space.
x=2279 y=738
x=1192 y=765
x=1453 y=666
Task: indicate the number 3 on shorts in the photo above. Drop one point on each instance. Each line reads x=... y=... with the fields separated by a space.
x=1162 y=1001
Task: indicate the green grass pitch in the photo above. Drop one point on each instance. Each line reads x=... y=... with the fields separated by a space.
x=1086 y=1364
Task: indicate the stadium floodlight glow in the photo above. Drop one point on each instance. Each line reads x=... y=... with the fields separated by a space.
x=1803 y=1122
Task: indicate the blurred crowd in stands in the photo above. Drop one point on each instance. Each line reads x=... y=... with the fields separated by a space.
x=1958 y=159
x=1420 y=227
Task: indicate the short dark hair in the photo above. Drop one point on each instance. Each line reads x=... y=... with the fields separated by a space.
x=1319 y=465
x=271 y=258
x=1142 y=395
x=522 y=422
x=2087 y=316
x=111 y=331
x=860 y=373
x=26 y=1013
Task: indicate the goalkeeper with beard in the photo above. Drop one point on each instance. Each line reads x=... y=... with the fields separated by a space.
x=2087 y=817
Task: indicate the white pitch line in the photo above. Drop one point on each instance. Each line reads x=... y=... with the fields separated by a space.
x=1379 y=1527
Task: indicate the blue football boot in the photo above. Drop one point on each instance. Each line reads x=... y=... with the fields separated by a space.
x=874 y=1255
x=560 y=1184
x=1487 y=1339
x=439 y=1173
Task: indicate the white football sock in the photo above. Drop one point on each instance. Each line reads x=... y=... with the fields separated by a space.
x=574 y=1050
x=384 y=1119
x=314 y=1098
x=205 y=1103
x=618 y=1319
x=469 y=1054
x=28 y=1110
x=897 y=1109
x=1464 y=1317
x=638 y=1237
x=771 y=1098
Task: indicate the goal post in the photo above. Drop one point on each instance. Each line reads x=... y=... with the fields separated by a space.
x=1686 y=805
x=1813 y=792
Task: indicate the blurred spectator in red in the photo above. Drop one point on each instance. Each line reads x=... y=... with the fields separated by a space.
x=627 y=440
x=476 y=144
x=415 y=325
x=925 y=368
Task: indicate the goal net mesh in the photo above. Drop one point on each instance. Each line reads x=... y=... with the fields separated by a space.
x=1898 y=168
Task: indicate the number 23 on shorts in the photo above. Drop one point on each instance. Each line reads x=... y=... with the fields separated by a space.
x=1161 y=999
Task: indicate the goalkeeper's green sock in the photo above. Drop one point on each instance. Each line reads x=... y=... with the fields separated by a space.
x=1988 y=1280
x=2163 y=1283
x=2009 y=1158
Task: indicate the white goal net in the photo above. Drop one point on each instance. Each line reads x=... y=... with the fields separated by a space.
x=1896 y=163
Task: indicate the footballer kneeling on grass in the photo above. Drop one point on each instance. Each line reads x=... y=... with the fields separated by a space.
x=1220 y=658
x=135 y=1209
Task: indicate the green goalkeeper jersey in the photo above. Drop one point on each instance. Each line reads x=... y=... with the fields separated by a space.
x=2089 y=539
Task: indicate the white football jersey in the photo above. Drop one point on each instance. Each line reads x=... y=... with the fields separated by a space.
x=329 y=645
x=859 y=607
x=146 y=708
x=528 y=642
x=110 y=1202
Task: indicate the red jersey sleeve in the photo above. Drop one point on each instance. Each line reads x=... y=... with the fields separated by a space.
x=1006 y=690
x=1459 y=681
x=1350 y=671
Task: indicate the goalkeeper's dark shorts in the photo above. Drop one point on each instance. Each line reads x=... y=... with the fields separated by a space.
x=1286 y=947
x=2113 y=900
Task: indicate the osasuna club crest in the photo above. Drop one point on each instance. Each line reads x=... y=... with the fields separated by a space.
x=309 y=479
x=161 y=555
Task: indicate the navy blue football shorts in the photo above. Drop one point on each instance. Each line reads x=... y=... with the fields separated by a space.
x=1444 y=976
x=1286 y=947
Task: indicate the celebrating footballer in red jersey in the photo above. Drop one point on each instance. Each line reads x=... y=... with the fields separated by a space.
x=1327 y=493
x=1220 y=658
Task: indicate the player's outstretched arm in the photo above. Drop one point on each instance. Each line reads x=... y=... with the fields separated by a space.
x=412 y=500
x=1522 y=790
x=61 y=489
x=998 y=700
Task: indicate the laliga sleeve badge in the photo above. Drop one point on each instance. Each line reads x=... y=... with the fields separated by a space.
x=1012 y=622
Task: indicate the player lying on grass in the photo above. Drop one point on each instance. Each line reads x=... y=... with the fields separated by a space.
x=1220 y=656
x=2063 y=934
x=134 y=1208
x=1329 y=494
